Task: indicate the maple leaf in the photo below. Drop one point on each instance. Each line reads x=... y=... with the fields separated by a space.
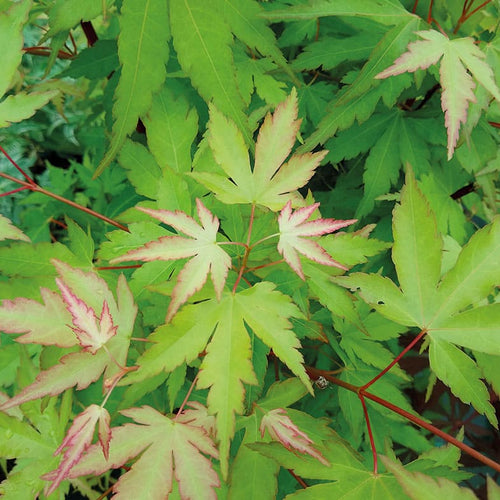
x=78 y=439
x=9 y=231
x=457 y=58
x=282 y=429
x=447 y=308
x=294 y=226
x=82 y=294
x=92 y=333
x=272 y=182
x=202 y=245
x=167 y=448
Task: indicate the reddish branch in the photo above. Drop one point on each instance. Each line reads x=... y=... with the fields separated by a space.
x=30 y=184
x=362 y=393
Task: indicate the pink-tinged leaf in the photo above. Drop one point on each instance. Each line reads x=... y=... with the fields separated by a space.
x=167 y=449
x=45 y=324
x=202 y=245
x=282 y=429
x=92 y=333
x=458 y=91
x=420 y=55
x=78 y=369
x=272 y=182
x=198 y=416
x=459 y=57
x=104 y=432
x=276 y=139
x=10 y=232
x=294 y=227
x=78 y=439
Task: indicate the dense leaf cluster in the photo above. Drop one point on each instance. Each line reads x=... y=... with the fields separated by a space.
x=243 y=243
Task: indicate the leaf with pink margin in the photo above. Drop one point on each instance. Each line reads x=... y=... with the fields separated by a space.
x=282 y=429
x=294 y=227
x=92 y=333
x=78 y=369
x=77 y=440
x=45 y=324
x=174 y=448
x=207 y=256
x=10 y=232
x=458 y=57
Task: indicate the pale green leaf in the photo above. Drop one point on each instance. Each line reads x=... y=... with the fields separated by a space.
x=19 y=107
x=488 y=364
x=266 y=311
x=11 y=40
x=143 y=53
x=203 y=39
x=418 y=486
x=10 y=232
x=177 y=342
x=226 y=367
x=459 y=372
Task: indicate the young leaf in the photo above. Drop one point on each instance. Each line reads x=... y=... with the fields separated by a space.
x=457 y=58
x=294 y=226
x=208 y=257
x=10 y=232
x=80 y=369
x=78 y=439
x=419 y=486
x=92 y=333
x=143 y=53
x=283 y=430
x=45 y=324
x=272 y=182
x=167 y=449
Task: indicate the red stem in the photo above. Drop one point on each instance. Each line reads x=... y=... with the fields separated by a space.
x=466 y=15
x=314 y=373
x=108 y=268
x=21 y=171
x=370 y=434
x=396 y=359
x=33 y=186
x=429 y=14
x=414 y=7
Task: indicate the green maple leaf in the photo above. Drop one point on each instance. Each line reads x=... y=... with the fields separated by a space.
x=272 y=182
x=84 y=296
x=223 y=334
x=168 y=450
x=447 y=307
x=143 y=53
x=458 y=58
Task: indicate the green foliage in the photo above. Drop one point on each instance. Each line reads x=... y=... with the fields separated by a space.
x=240 y=244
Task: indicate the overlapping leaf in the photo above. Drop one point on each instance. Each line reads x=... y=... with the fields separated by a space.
x=227 y=364
x=294 y=227
x=272 y=182
x=82 y=295
x=167 y=450
x=445 y=307
x=143 y=53
x=201 y=245
x=458 y=58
